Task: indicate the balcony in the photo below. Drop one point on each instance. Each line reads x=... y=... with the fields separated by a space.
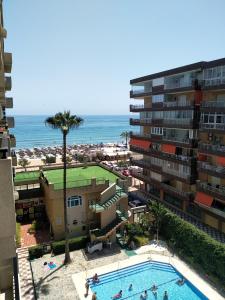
x=11 y=122
x=212 y=126
x=212 y=149
x=12 y=141
x=175 y=192
x=169 y=123
x=140 y=91
x=207 y=168
x=212 y=83
x=215 y=190
x=178 y=105
x=179 y=141
x=3 y=32
x=177 y=174
x=179 y=83
x=8 y=83
x=213 y=106
x=145 y=178
x=7 y=62
x=146 y=164
x=140 y=136
x=9 y=102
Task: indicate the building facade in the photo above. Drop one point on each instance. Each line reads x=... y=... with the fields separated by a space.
x=181 y=138
x=7 y=160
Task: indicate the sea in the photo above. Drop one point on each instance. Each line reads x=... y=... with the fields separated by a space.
x=31 y=131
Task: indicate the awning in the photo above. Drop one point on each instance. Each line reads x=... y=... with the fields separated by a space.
x=168 y=148
x=203 y=199
x=220 y=160
x=140 y=143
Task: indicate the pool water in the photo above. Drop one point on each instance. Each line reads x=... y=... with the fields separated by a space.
x=143 y=276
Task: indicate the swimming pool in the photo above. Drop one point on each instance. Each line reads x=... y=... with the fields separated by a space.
x=143 y=276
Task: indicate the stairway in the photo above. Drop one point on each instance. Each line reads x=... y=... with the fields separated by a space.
x=99 y=207
x=111 y=227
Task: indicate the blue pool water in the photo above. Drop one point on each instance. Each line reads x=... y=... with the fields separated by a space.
x=143 y=276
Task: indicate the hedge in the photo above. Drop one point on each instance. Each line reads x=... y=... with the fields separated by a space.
x=18 y=235
x=36 y=251
x=74 y=244
x=59 y=247
x=194 y=243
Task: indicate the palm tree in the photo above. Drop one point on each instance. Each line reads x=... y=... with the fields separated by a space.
x=65 y=122
x=125 y=135
x=158 y=212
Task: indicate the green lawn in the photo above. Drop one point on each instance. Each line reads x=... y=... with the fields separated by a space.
x=24 y=176
x=78 y=176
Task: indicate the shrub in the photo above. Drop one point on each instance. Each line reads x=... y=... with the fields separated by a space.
x=36 y=251
x=74 y=244
x=18 y=235
x=140 y=240
x=134 y=229
x=36 y=225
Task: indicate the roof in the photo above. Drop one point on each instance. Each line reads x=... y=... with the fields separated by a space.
x=182 y=69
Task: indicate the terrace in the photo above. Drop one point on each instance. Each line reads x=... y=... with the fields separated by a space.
x=78 y=177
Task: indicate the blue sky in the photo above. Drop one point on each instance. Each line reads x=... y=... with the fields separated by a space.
x=80 y=55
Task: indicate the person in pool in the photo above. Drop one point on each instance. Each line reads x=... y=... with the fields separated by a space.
x=165 y=297
x=153 y=288
x=181 y=281
x=144 y=295
x=118 y=296
x=95 y=278
x=130 y=287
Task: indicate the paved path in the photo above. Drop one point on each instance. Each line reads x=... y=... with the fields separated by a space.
x=214 y=233
x=28 y=239
x=25 y=275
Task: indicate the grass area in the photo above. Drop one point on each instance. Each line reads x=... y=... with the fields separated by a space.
x=78 y=176
x=24 y=176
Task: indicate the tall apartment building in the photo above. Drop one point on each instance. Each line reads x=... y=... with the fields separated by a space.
x=7 y=159
x=182 y=138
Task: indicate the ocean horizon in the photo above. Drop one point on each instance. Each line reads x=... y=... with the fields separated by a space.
x=31 y=131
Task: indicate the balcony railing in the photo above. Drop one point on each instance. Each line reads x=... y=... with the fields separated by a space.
x=214 y=169
x=178 y=121
x=174 y=191
x=216 y=189
x=7 y=62
x=214 y=126
x=8 y=83
x=176 y=173
x=136 y=107
x=172 y=138
x=141 y=91
x=146 y=164
x=212 y=148
x=213 y=82
x=178 y=104
x=213 y=104
x=179 y=83
x=165 y=156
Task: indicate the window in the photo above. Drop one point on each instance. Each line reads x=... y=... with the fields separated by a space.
x=157 y=130
x=157 y=98
x=74 y=201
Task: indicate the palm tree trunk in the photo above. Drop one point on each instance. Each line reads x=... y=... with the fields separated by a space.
x=126 y=140
x=67 y=251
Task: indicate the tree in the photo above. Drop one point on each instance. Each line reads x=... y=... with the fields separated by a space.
x=24 y=163
x=157 y=211
x=125 y=135
x=65 y=122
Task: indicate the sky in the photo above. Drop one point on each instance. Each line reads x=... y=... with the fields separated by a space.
x=80 y=55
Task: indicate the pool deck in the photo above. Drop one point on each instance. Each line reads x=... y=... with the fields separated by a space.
x=79 y=279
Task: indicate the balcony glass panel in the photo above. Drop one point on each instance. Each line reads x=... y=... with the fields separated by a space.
x=140 y=88
x=214 y=76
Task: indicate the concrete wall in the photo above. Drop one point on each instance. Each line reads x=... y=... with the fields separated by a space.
x=7 y=224
x=108 y=193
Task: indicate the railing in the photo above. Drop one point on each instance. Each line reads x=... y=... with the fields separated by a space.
x=141 y=135
x=212 y=126
x=172 y=138
x=176 y=192
x=215 y=188
x=212 y=104
x=144 y=163
x=179 y=83
x=163 y=155
x=207 y=166
x=178 y=121
x=176 y=173
x=211 y=82
x=212 y=148
x=141 y=91
x=133 y=107
x=78 y=183
x=178 y=104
